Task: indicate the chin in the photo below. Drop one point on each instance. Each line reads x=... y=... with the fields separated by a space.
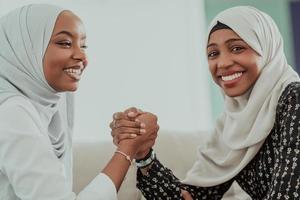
x=72 y=89
x=234 y=92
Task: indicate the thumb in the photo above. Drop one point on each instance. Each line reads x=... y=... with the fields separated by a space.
x=186 y=195
x=132 y=114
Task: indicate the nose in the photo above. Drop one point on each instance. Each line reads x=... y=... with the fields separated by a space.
x=225 y=61
x=80 y=54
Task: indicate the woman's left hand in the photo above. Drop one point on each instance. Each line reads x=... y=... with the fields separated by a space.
x=186 y=195
x=125 y=125
x=131 y=123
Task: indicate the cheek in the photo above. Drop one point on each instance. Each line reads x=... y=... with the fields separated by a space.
x=213 y=69
x=54 y=61
x=85 y=62
x=255 y=72
x=255 y=63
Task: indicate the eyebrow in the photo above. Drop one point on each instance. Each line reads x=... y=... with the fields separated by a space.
x=69 y=34
x=227 y=41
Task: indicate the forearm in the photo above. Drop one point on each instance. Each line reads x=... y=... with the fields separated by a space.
x=118 y=165
x=213 y=193
x=159 y=182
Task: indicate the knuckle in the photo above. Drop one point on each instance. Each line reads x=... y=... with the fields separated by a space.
x=157 y=128
x=117 y=123
x=155 y=118
x=116 y=141
x=137 y=124
x=117 y=137
x=131 y=109
x=115 y=115
x=136 y=130
x=116 y=131
x=121 y=137
x=122 y=129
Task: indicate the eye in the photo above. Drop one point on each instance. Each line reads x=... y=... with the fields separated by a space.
x=212 y=54
x=84 y=46
x=237 y=49
x=65 y=44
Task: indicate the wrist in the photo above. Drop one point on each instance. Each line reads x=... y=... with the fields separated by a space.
x=128 y=149
x=147 y=160
x=142 y=154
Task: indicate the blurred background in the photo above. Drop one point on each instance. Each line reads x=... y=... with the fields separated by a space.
x=151 y=54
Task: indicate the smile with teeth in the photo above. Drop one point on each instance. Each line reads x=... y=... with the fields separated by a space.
x=73 y=73
x=232 y=76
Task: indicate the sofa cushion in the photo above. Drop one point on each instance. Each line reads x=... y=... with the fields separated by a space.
x=176 y=151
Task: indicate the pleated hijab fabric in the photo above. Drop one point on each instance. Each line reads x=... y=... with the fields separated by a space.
x=247 y=120
x=24 y=37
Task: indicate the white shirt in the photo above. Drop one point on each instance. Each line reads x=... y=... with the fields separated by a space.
x=29 y=169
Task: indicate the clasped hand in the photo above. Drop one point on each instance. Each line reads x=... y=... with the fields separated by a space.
x=139 y=130
x=135 y=128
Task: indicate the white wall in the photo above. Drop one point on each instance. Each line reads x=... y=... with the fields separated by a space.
x=144 y=53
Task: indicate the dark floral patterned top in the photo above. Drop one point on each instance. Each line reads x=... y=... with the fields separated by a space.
x=274 y=173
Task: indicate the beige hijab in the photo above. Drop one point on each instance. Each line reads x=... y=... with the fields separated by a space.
x=248 y=119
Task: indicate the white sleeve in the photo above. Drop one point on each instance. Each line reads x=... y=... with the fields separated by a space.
x=102 y=186
x=33 y=170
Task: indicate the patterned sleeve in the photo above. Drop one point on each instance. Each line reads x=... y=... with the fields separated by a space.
x=286 y=177
x=161 y=184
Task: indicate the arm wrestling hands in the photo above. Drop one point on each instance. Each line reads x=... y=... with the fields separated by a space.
x=135 y=128
x=139 y=129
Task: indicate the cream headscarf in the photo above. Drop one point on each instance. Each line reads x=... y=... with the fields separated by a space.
x=24 y=37
x=247 y=120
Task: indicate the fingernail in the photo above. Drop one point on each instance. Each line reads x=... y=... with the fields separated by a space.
x=131 y=114
x=143 y=125
x=142 y=131
x=133 y=135
x=115 y=116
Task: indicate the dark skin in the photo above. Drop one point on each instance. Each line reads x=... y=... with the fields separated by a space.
x=127 y=125
x=139 y=140
x=64 y=61
x=132 y=123
x=233 y=65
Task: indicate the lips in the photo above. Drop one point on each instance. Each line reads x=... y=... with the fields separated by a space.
x=231 y=76
x=74 y=72
x=230 y=79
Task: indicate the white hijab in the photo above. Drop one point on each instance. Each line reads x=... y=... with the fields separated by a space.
x=24 y=37
x=247 y=120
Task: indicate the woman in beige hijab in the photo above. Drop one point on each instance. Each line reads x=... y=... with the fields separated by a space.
x=42 y=58
x=256 y=140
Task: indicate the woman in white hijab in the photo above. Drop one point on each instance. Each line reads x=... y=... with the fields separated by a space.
x=42 y=57
x=256 y=139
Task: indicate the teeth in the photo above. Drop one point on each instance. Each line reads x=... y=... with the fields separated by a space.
x=73 y=71
x=232 y=76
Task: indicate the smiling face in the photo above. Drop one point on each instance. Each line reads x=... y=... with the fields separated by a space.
x=232 y=62
x=65 y=57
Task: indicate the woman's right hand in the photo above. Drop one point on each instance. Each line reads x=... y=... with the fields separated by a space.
x=125 y=126
x=140 y=127
x=151 y=127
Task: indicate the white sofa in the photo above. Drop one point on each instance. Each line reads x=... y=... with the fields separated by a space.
x=176 y=151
